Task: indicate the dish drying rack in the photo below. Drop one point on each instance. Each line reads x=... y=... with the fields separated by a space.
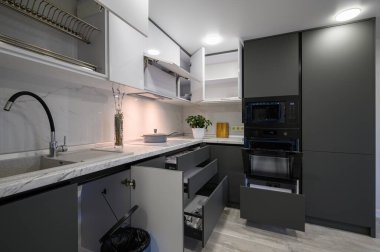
x=50 y=14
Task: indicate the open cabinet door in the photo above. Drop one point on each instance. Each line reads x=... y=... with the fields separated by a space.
x=197 y=70
x=240 y=69
x=159 y=195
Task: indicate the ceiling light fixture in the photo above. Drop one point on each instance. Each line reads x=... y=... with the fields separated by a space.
x=153 y=52
x=212 y=39
x=347 y=14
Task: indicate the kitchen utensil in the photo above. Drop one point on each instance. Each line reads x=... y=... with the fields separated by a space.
x=156 y=137
x=222 y=130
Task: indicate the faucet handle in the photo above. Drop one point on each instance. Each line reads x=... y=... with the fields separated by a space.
x=62 y=148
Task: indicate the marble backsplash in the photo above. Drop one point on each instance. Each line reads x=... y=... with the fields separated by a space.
x=216 y=112
x=83 y=114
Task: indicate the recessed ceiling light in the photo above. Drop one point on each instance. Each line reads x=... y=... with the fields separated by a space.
x=153 y=52
x=347 y=14
x=212 y=39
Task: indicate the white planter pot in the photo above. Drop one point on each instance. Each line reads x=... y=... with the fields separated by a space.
x=198 y=133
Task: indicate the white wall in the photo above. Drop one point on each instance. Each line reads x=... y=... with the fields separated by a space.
x=83 y=114
x=230 y=113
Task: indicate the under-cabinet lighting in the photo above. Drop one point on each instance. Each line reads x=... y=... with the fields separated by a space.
x=153 y=52
x=347 y=14
x=212 y=39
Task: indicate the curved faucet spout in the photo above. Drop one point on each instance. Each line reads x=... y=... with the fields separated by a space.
x=13 y=98
x=53 y=147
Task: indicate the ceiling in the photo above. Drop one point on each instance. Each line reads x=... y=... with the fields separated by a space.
x=188 y=21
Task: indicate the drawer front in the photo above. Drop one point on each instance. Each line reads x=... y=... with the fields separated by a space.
x=192 y=159
x=275 y=208
x=213 y=208
x=196 y=182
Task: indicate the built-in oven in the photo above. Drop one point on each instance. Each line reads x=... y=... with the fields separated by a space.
x=271 y=112
x=272 y=158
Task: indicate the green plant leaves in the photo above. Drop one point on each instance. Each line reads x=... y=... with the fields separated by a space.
x=198 y=121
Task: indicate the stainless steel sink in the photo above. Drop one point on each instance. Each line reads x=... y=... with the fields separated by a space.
x=15 y=166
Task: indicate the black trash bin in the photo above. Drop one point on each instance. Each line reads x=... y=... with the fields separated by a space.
x=125 y=239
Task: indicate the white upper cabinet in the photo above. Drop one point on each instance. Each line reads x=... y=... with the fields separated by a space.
x=134 y=12
x=126 y=53
x=159 y=41
x=222 y=77
x=197 y=70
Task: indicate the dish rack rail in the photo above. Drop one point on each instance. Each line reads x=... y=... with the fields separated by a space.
x=50 y=14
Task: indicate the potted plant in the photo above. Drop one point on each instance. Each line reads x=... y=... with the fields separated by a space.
x=198 y=125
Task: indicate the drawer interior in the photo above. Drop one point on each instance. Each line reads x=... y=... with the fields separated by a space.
x=203 y=212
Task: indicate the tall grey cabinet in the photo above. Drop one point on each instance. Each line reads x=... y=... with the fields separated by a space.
x=271 y=66
x=338 y=122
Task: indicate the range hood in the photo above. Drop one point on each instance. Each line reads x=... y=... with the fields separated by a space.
x=168 y=67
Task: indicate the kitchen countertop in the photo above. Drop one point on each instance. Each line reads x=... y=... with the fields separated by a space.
x=130 y=153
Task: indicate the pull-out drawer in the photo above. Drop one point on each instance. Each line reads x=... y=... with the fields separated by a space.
x=192 y=159
x=196 y=177
x=273 y=207
x=204 y=211
x=196 y=166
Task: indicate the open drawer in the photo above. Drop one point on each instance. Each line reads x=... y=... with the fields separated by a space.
x=196 y=177
x=203 y=212
x=273 y=207
x=196 y=166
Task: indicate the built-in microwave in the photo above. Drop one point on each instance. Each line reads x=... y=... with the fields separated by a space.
x=272 y=112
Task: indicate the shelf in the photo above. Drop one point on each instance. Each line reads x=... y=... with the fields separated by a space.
x=20 y=44
x=223 y=100
x=30 y=67
x=231 y=80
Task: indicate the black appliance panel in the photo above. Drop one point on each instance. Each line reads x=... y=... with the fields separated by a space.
x=272 y=112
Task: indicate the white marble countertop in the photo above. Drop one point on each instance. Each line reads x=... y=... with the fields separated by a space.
x=231 y=140
x=130 y=153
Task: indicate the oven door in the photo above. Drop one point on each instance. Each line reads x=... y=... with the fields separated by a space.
x=272 y=164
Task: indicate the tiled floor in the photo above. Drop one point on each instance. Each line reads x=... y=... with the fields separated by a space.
x=233 y=234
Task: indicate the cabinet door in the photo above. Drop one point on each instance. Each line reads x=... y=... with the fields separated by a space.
x=44 y=222
x=134 y=12
x=338 y=89
x=159 y=195
x=126 y=53
x=95 y=215
x=169 y=51
x=240 y=69
x=340 y=187
x=230 y=163
x=271 y=66
x=197 y=70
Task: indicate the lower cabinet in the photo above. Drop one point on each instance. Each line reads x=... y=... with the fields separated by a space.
x=43 y=222
x=230 y=164
x=276 y=208
x=340 y=190
x=158 y=193
x=169 y=201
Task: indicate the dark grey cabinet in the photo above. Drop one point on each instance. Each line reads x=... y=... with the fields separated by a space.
x=338 y=126
x=271 y=66
x=230 y=164
x=340 y=188
x=44 y=222
x=338 y=89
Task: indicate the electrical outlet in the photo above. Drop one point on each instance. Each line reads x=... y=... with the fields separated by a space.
x=234 y=128
x=241 y=128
